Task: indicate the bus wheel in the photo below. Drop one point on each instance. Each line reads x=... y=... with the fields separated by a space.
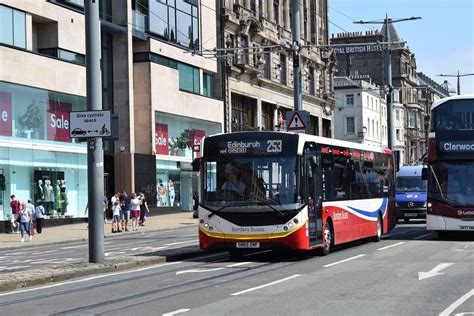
x=378 y=236
x=328 y=240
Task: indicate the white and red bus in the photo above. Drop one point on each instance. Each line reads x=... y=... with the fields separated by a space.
x=271 y=190
x=450 y=171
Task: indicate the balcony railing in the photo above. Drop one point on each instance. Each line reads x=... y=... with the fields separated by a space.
x=65 y=55
x=139 y=21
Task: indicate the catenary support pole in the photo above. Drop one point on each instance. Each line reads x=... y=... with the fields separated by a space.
x=95 y=156
x=296 y=34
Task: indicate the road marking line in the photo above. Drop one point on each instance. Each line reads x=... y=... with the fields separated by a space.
x=179 y=311
x=456 y=304
x=90 y=278
x=73 y=247
x=419 y=237
x=397 y=244
x=182 y=242
x=42 y=252
x=265 y=285
x=199 y=270
x=238 y=264
x=342 y=261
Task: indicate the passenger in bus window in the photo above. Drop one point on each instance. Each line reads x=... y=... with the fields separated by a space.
x=232 y=182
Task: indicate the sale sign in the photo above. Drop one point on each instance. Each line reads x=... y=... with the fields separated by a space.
x=197 y=137
x=5 y=114
x=161 y=139
x=57 y=121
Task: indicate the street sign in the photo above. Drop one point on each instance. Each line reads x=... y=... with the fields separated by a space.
x=297 y=121
x=90 y=124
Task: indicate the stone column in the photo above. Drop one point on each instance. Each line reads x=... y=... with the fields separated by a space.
x=247 y=4
x=286 y=14
x=259 y=114
x=270 y=15
x=303 y=31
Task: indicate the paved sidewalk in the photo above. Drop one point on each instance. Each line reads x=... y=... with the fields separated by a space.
x=63 y=234
x=66 y=233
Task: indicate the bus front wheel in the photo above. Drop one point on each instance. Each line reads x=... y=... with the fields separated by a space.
x=328 y=239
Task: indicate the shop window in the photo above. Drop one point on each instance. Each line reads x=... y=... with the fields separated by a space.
x=12 y=27
x=188 y=78
x=326 y=128
x=208 y=85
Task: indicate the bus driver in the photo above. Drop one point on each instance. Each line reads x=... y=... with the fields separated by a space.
x=232 y=182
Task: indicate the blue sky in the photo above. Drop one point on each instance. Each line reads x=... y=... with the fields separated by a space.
x=443 y=40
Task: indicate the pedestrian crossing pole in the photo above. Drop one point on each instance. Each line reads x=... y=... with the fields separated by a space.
x=95 y=155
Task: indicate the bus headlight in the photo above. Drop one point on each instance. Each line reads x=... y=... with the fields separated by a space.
x=206 y=225
x=201 y=221
x=396 y=204
x=211 y=228
x=290 y=225
x=429 y=205
x=296 y=221
x=285 y=228
x=424 y=205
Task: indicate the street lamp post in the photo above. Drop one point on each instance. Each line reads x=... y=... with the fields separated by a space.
x=388 y=69
x=459 y=80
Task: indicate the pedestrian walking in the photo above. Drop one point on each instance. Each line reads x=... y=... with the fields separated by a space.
x=143 y=210
x=26 y=218
x=39 y=215
x=31 y=209
x=15 y=208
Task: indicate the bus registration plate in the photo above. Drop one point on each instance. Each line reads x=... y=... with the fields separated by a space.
x=411 y=214
x=248 y=245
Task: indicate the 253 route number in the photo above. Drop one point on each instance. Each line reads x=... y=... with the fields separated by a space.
x=274 y=146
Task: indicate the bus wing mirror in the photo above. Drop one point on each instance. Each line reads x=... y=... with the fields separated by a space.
x=424 y=173
x=196 y=164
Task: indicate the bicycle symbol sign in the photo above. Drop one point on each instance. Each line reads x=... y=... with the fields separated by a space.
x=90 y=124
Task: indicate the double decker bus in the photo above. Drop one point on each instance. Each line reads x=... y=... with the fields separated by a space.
x=450 y=167
x=278 y=190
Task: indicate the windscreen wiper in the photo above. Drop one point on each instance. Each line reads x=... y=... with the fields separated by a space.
x=270 y=205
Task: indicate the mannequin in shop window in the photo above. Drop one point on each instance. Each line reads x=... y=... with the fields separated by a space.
x=39 y=194
x=171 y=192
x=161 y=192
x=57 y=196
x=64 y=201
x=48 y=196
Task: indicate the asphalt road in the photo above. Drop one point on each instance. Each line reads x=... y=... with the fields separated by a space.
x=410 y=272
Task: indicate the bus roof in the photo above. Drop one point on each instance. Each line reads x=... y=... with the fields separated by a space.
x=456 y=97
x=319 y=140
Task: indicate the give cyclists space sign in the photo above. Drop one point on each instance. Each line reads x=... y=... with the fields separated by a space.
x=90 y=124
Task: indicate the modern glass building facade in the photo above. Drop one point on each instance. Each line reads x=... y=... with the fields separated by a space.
x=38 y=160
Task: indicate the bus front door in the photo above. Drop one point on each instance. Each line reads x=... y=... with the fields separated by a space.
x=314 y=190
